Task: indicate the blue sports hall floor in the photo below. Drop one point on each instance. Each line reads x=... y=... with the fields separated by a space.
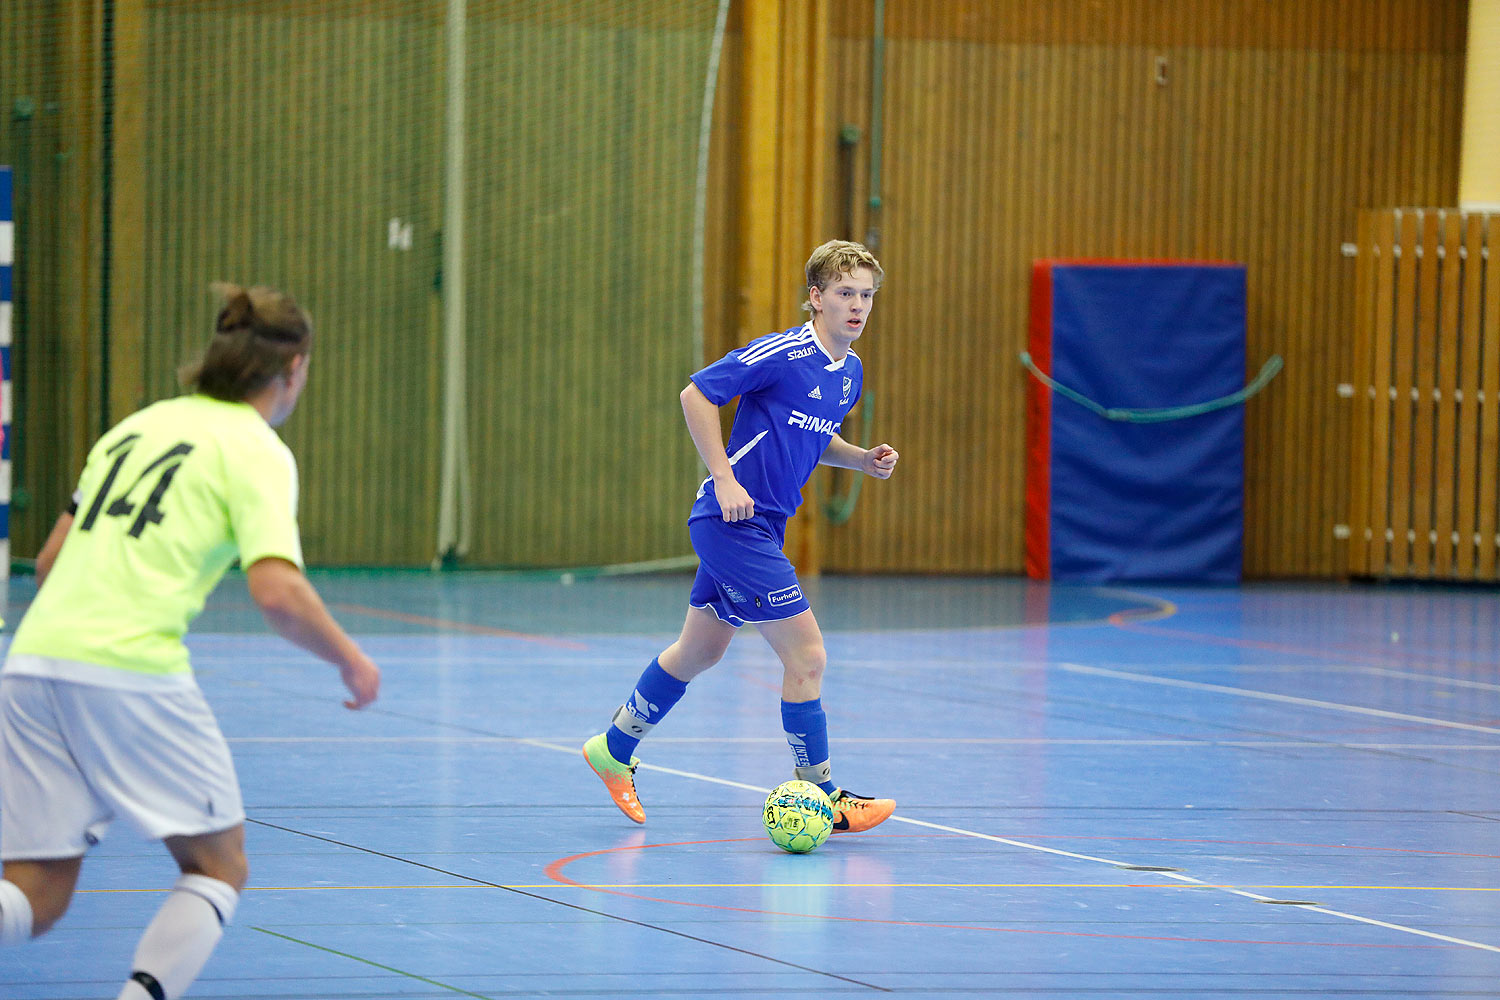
x=1263 y=791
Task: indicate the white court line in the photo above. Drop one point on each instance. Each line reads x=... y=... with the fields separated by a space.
x=904 y=741
x=1330 y=667
x=1378 y=713
x=1180 y=877
x=1026 y=845
x=1438 y=679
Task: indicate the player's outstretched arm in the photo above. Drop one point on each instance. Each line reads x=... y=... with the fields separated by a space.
x=52 y=546
x=293 y=608
x=702 y=418
x=879 y=461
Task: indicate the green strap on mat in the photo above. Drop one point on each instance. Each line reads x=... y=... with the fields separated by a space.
x=1268 y=371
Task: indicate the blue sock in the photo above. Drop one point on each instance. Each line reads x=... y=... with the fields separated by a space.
x=654 y=695
x=807 y=732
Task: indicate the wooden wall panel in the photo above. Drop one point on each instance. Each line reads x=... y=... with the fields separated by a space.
x=1361 y=446
x=1489 y=435
x=1425 y=363
x=1381 y=391
x=1402 y=403
x=1446 y=403
x=1470 y=378
x=1016 y=131
x=1356 y=25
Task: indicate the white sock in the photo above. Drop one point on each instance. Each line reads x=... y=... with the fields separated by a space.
x=15 y=914
x=180 y=938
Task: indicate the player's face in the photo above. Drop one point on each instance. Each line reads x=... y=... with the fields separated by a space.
x=844 y=306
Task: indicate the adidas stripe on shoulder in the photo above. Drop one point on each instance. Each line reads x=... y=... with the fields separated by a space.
x=770 y=347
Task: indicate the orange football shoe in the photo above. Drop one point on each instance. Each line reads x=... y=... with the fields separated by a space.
x=620 y=778
x=855 y=813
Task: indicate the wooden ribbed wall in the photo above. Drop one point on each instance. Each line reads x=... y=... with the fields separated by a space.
x=1425 y=396
x=49 y=70
x=1013 y=131
x=583 y=159
x=282 y=144
x=582 y=124
x=283 y=135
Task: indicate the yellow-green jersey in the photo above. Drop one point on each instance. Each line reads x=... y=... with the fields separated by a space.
x=168 y=499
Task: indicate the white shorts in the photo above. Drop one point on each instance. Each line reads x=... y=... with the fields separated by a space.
x=73 y=757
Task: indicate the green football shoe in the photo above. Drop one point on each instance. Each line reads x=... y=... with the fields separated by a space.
x=618 y=778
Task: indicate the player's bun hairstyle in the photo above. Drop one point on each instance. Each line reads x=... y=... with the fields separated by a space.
x=838 y=257
x=257 y=333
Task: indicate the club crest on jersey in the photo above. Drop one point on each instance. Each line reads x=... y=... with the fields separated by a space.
x=848 y=388
x=817 y=425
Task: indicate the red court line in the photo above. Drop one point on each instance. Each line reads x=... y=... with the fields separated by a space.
x=554 y=871
x=452 y=626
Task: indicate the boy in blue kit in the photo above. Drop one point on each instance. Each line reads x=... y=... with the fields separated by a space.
x=795 y=389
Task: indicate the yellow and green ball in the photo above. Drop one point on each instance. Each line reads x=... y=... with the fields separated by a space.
x=799 y=816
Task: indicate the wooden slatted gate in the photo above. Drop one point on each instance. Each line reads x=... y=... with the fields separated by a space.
x=1425 y=449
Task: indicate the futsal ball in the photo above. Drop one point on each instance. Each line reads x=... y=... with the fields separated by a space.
x=799 y=816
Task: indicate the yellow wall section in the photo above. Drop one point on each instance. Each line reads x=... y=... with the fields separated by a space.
x=1479 y=174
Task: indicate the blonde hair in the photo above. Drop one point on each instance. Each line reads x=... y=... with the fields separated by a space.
x=835 y=258
x=257 y=333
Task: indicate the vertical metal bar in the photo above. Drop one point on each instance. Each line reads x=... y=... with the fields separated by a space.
x=107 y=159
x=700 y=191
x=454 y=495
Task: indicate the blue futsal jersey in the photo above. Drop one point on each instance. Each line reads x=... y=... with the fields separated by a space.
x=793 y=399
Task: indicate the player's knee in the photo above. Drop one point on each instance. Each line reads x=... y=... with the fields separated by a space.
x=47 y=911
x=237 y=873
x=33 y=900
x=817 y=660
x=704 y=653
x=42 y=924
x=809 y=663
x=231 y=869
x=714 y=651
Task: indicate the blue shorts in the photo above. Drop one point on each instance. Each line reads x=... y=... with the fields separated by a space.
x=743 y=576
